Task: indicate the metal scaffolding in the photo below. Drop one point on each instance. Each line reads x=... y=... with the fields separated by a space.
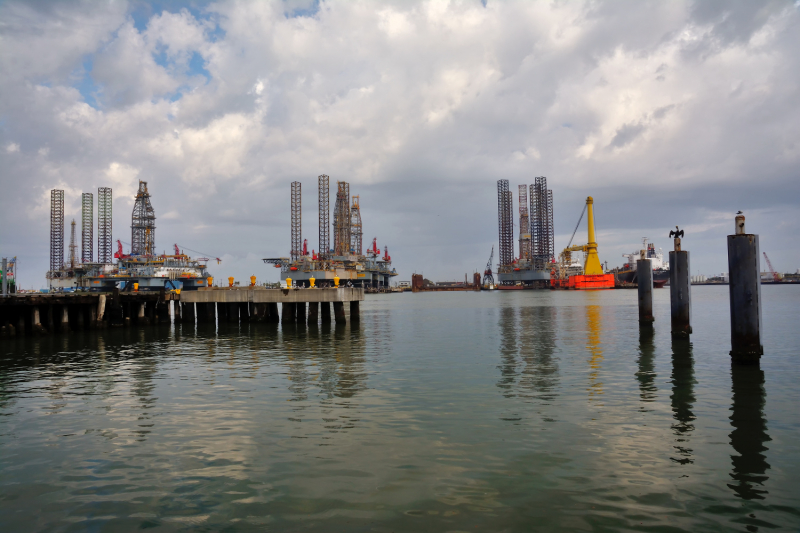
x=143 y=225
x=324 y=216
x=356 y=231
x=297 y=222
x=56 y=230
x=341 y=220
x=87 y=227
x=542 y=228
x=104 y=225
x=524 y=225
x=505 y=220
x=73 y=246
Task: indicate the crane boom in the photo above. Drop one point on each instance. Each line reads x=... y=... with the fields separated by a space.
x=775 y=276
x=488 y=278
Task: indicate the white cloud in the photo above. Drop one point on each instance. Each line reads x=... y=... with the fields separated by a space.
x=421 y=106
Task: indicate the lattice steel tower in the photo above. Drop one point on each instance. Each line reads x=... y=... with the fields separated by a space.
x=341 y=219
x=87 y=227
x=356 y=231
x=297 y=222
x=56 y=230
x=524 y=224
x=73 y=246
x=143 y=225
x=505 y=219
x=542 y=228
x=324 y=216
x=104 y=225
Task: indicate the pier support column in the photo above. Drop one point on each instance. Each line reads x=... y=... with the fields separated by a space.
x=244 y=312
x=80 y=319
x=338 y=313
x=64 y=325
x=680 y=290
x=301 y=312
x=187 y=313
x=326 y=312
x=644 y=272
x=36 y=324
x=92 y=317
x=258 y=312
x=745 y=295
x=162 y=312
x=233 y=313
x=355 y=314
x=140 y=316
x=313 y=313
x=288 y=311
x=101 y=310
x=272 y=315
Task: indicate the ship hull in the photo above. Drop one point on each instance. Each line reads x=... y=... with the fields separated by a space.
x=629 y=276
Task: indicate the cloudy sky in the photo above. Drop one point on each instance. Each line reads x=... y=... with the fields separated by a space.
x=665 y=112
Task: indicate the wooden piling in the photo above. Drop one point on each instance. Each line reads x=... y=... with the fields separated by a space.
x=313 y=313
x=644 y=273
x=326 y=312
x=355 y=315
x=338 y=313
x=680 y=293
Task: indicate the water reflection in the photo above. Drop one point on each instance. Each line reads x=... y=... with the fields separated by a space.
x=508 y=350
x=537 y=343
x=749 y=432
x=594 y=327
x=683 y=398
x=646 y=374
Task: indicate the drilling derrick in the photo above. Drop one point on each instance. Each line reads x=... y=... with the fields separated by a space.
x=56 y=231
x=104 y=242
x=297 y=220
x=73 y=247
x=356 y=232
x=143 y=225
x=542 y=229
x=341 y=220
x=324 y=216
x=87 y=227
x=505 y=220
x=524 y=225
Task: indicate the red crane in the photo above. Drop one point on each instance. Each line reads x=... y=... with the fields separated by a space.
x=177 y=250
x=775 y=276
x=119 y=254
x=386 y=256
x=305 y=246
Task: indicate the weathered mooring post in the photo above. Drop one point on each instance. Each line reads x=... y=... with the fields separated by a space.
x=644 y=273
x=680 y=288
x=745 y=294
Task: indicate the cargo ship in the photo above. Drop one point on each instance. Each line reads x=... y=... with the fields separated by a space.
x=627 y=273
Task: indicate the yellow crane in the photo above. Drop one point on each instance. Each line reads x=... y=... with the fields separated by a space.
x=592 y=264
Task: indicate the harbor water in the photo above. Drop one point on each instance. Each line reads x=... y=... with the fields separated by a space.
x=490 y=411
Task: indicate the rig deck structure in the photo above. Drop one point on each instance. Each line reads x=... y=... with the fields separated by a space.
x=344 y=259
x=531 y=269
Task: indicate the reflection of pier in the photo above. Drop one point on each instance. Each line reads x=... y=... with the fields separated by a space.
x=646 y=374
x=749 y=433
x=683 y=397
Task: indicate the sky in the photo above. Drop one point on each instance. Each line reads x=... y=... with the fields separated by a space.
x=666 y=113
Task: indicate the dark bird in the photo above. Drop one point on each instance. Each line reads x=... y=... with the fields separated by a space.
x=738 y=212
x=676 y=232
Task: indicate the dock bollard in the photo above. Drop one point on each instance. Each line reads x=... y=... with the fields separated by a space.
x=644 y=273
x=744 y=286
x=680 y=294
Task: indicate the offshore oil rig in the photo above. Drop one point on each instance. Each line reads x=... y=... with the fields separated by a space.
x=141 y=269
x=531 y=269
x=346 y=261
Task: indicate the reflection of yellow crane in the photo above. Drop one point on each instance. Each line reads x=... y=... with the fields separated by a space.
x=592 y=264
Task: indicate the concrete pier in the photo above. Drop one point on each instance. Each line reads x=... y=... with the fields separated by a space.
x=680 y=289
x=45 y=313
x=644 y=272
x=745 y=295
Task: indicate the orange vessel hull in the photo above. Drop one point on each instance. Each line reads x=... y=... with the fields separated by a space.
x=583 y=282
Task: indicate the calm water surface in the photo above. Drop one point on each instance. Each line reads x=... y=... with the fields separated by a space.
x=438 y=412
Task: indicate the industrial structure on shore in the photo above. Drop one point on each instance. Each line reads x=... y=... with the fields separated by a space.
x=344 y=261
x=141 y=269
x=531 y=269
